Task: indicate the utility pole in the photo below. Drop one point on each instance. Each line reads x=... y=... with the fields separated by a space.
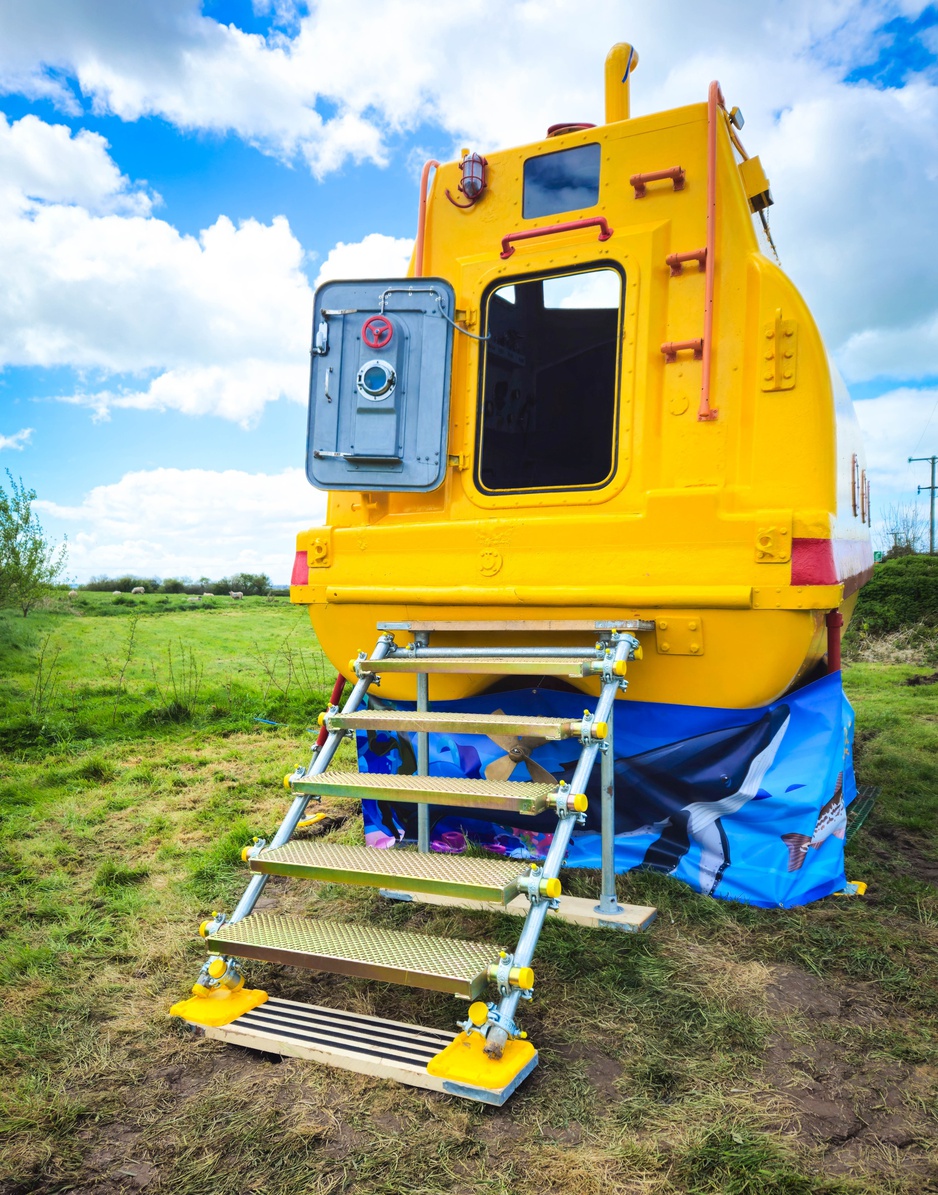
x=931 y=522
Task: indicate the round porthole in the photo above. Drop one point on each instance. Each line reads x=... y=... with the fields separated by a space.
x=376 y=380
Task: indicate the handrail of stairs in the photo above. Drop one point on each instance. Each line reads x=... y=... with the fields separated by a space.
x=322 y=757
x=501 y=1022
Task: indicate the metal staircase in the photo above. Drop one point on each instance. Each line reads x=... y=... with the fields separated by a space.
x=490 y=1056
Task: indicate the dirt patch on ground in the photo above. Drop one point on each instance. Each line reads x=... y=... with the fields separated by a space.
x=923 y=678
x=894 y=849
x=860 y=1111
x=601 y=1070
x=207 y=1066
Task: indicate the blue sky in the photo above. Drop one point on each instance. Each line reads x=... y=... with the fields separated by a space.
x=176 y=176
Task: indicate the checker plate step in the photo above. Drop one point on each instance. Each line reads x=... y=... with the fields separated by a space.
x=516 y=796
x=369 y=952
x=437 y=722
x=493 y=878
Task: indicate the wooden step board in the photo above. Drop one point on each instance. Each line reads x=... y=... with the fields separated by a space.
x=510 y=796
x=494 y=878
x=366 y=951
x=576 y=910
x=353 y=1042
x=548 y=729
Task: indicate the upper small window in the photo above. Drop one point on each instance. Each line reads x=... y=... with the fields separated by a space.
x=564 y=181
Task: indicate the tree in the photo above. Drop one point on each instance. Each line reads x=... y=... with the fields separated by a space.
x=29 y=566
x=250 y=584
x=903 y=531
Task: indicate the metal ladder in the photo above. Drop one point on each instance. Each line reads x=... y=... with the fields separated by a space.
x=491 y=1055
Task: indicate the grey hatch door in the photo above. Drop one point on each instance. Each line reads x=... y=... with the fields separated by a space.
x=379 y=384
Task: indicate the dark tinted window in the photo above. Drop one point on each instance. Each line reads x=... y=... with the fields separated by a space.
x=561 y=182
x=550 y=383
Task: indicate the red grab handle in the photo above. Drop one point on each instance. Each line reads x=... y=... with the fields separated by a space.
x=333 y=700
x=640 y=181
x=528 y=233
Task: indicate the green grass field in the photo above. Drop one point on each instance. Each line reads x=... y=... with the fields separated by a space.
x=730 y=1050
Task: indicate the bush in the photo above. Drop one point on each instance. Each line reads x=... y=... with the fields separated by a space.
x=125 y=584
x=250 y=584
x=903 y=591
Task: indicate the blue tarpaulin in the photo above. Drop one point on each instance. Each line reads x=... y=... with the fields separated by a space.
x=745 y=805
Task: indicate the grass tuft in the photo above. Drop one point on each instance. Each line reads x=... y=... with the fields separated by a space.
x=110 y=875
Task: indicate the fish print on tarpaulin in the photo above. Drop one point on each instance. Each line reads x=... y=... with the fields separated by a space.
x=831 y=820
x=709 y=796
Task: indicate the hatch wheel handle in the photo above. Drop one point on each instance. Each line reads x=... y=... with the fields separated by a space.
x=377 y=332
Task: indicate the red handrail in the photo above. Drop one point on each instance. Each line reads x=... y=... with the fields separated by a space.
x=528 y=233
x=671 y=348
x=640 y=181
x=834 y=620
x=422 y=217
x=676 y=260
x=333 y=700
x=706 y=413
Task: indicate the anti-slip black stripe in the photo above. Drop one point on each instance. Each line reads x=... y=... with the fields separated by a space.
x=386 y=1028
x=416 y=1060
x=335 y=1015
x=402 y=1047
x=382 y=1040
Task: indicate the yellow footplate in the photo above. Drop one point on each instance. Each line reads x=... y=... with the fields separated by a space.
x=468 y=1071
x=219 y=1007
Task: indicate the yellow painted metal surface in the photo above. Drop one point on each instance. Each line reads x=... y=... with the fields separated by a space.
x=218 y=1007
x=464 y=1061
x=709 y=520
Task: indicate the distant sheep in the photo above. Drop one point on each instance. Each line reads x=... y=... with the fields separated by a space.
x=237 y=596
x=211 y=595
x=195 y=598
x=73 y=593
x=115 y=593
x=138 y=589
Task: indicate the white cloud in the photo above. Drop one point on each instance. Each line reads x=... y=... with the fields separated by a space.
x=854 y=173
x=895 y=426
x=495 y=72
x=189 y=522
x=217 y=323
x=44 y=162
x=238 y=393
x=18 y=440
x=898 y=352
x=375 y=256
x=852 y=166
x=132 y=294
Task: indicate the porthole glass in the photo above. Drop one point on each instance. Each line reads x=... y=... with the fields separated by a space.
x=376 y=379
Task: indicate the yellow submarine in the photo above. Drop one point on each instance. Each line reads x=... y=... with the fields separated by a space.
x=594 y=413
x=641 y=422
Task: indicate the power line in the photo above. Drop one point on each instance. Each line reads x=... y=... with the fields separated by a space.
x=922 y=436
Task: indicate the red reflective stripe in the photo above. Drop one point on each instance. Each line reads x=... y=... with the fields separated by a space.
x=300 y=570
x=812 y=562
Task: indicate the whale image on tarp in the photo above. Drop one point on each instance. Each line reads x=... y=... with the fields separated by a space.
x=714 y=797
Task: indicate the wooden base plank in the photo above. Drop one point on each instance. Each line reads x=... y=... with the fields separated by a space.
x=578 y=910
x=354 y=1042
